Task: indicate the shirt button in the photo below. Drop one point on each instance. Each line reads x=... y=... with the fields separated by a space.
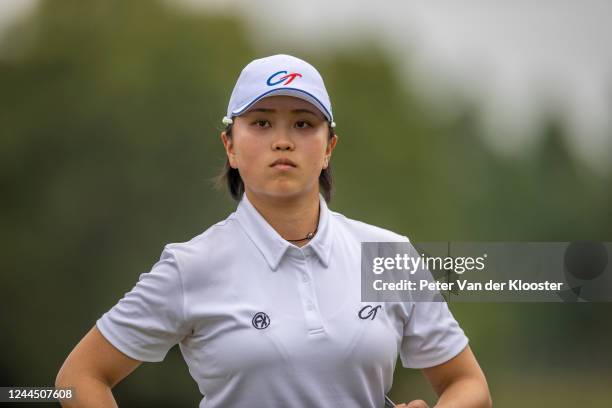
x=305 y=278
x=309 y=306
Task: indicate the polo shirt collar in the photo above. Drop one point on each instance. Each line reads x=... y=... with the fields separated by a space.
x=271 y=245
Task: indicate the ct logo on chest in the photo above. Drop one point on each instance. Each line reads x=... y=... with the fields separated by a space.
x=368 y=312
x=260 y=321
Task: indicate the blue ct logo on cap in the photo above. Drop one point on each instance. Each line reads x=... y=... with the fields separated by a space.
x=289 y=77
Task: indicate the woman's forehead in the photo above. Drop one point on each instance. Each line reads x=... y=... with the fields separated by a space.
x=285 y=104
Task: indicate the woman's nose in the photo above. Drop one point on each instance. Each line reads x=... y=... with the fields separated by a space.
x=282 y=142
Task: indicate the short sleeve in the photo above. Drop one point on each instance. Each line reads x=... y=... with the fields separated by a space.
x=149 y=319
x=432 y=336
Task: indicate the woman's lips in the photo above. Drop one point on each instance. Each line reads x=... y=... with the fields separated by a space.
x=283 y=164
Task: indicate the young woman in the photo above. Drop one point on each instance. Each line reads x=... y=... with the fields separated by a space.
x=265 y=305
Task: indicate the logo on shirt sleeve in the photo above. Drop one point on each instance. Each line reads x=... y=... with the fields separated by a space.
x=261 y=321
x=368 y=312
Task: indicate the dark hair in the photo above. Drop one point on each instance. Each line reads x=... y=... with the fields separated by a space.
x=231 y=177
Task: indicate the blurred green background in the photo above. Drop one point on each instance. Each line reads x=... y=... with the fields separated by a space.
x=109 y=121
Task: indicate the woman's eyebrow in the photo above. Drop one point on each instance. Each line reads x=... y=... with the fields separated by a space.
x=268 y=110
x=303 y=111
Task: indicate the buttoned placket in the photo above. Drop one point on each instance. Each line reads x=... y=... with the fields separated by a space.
x=283 y=257
x=306 y=288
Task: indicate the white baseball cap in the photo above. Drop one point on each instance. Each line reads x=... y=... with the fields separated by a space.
x=279 y=74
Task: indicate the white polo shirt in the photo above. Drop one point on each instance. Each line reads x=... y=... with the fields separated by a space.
x=264 y=323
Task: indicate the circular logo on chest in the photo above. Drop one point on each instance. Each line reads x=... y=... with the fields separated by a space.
x=261 y=320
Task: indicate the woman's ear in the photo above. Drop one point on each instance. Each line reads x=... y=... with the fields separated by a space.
x=228 y=144
x=331 y=145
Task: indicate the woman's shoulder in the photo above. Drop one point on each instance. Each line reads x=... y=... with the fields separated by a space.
x=365 y=232
x=207 y=245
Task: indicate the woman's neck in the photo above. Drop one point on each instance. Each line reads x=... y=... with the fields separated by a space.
x=293 y=218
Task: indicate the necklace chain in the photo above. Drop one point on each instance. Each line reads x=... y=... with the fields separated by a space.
x=308 y=236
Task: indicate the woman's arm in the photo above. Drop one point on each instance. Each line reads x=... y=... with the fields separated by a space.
x=93 y=368
x=459 y=383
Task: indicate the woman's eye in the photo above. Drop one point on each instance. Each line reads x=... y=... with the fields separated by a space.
x=261 y=123
x=302 y=124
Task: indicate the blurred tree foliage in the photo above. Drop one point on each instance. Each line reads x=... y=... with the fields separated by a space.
x=109 y=119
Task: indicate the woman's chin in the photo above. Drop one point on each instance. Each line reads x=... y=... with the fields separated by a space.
x=285 y=190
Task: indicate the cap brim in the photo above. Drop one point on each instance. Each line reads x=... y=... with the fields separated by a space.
x=298 y=93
